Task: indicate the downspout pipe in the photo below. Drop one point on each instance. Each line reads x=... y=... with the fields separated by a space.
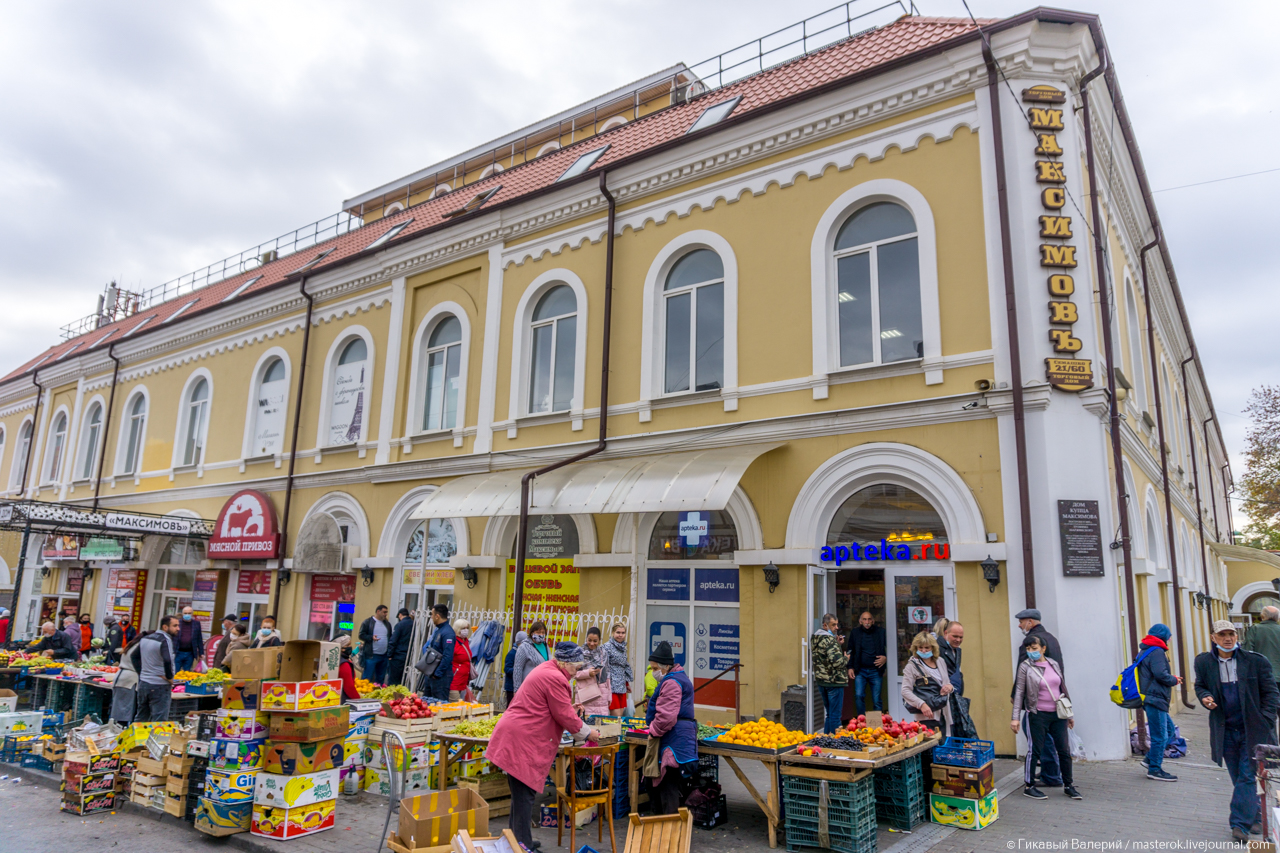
x=1171 y=550
x=526 y=482
x=106 y=426
x=31 y=445
x=1011 y=324
x=297 y=421
x=1108 y=346
x=26 y=530
x=1195 y=471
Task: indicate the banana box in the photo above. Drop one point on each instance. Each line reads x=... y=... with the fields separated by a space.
x=82 y=804
x=230 y=786
x=291 y=791
x=964 y=813
x=290 y=759
x=241 y=694
x=217 y=817
x=379 y=781
x=306 y=726
x=236 y=754
x=271 y=822
x=242 y=725
x=88 y=764
x=135 y=734
x=300 y=695
x=420 y=755
x=82 y=784
x=353 y=751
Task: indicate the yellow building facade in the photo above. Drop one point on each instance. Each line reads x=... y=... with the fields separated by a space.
x=812 y=403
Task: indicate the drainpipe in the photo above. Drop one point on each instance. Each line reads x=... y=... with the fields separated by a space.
x=1154 y=360
x=1011 y=323
x=1195 y=469
x=31 y=446
x=106 y=426
x=517 y=600
x=1108 y=345
x=297 y=420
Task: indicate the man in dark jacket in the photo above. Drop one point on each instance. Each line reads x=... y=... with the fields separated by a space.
x=189 y=641
x=398 y=648
x=868 y=654
x=949 y=641
x=375 y=639
x=1264 y=638
x=442 y=640
x=55 y=644
x=1029 y=623
x=1156 y=679
x=1239 y=689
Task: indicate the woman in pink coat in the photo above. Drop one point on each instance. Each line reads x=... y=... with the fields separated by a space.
x=525 y=741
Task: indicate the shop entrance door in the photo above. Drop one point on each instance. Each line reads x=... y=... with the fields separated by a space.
x=920 y=597
x=821 y=594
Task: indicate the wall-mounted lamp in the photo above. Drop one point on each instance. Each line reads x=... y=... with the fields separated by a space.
x=990 y=572
x=366 y=574
x=469 y=575
x=1275 y=582
x=1200 y=600
x=286 y=575
x=771 y=576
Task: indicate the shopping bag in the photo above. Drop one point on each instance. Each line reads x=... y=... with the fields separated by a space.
x=1077 y=745
x=631 y=705
x=200 y=667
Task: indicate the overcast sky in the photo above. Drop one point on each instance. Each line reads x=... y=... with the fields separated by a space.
x=140 y=141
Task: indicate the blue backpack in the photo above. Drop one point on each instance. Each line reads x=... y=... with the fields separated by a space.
x=1127 y=692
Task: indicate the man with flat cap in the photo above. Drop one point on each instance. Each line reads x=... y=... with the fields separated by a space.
x=1030 y=625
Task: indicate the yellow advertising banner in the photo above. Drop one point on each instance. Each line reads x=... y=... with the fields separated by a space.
x=551 y=589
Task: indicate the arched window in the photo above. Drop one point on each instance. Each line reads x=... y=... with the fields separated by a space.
x=347 y=406
x=135 y=430
x=268 y=413
x=90 y=435
x=670 y=542
x=888 y=513
x=20 y=456
x=878 y=286
x=550 y=537
x=195 y=422
x=442 y=361
x=693 y=308
x=1135 y=345
x=57 y=445
x=553 y=339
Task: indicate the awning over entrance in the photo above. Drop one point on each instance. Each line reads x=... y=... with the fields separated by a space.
x=668 y=482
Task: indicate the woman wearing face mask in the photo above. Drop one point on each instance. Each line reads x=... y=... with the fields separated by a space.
x=532 y=653
x=673 y=729
x=1036 y=689
x=926 y=662
x=238 y=639
x=527 y=736
x=591 y=684
x=267 y=635
x=86 y=633
x=620 y=672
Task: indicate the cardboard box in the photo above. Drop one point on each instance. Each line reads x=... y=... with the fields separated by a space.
x=301 y=695
x=136 y=734
x=215 y=817
x=93 y=784
x=256 y=664
x=236 y=754
x=379 y=781
x=504 y=843
x=241 y=725
x=198 y=748
x=306 y=726
x=23 y=722
x=300 y=790
x=429 y=820
x=232 y=786
x=290 y=759
x=83 y=804
x=420 y=754
x=82 y=764
x=9 y=702
x=964 y=781
x=241 y=694
x=964 y=813
x=353 y=751
x=292 y=823
x=308 y=678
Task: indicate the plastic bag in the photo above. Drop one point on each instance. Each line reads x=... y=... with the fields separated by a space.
x=1077 y=745
x=631 y=706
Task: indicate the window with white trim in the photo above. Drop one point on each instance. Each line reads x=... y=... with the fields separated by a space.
x=1136 y=363
x=195 y=422
x=3 y=435
x=269 y=409
x=552 y=344
x=441 y=369
x=90 y=435
x=693 y=311
x=349 y=393
x=20 y=456
x=135 y=429
x=57 y=445
x=877 y=262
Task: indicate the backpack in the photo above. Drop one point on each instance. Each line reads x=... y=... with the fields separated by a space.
x=1127 y=692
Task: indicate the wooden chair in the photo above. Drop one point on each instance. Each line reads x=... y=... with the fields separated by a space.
x=570 y=800
x=671 y=833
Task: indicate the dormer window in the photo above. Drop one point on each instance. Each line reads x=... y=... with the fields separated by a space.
x=714 y=115
x=582 y=164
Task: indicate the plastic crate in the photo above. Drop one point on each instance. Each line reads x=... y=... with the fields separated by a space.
x=712 y=814
x=853 y=792
x=903 y=816
x=802 y=833
x=38 y=762
x=899 y=781
x=958 y=752
x=708 y=769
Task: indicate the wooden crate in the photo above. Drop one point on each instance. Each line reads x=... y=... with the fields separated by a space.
x=499 y=807
x=480 y=712
x=404 y=727
x=490 y=786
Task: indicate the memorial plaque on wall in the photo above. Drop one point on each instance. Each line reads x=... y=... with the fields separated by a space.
x=1080 y=530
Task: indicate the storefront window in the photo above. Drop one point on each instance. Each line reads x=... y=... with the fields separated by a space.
x=183 y=552
x=421 y=585
x=886 y=512
x=705 y=535
x=172 y=590
x=333 y=606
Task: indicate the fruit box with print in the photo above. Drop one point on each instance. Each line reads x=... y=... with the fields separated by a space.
x=231 y=786
x=307 y=726
x=215 y=817
x=236 y=754
x=241 y=695
x=290 y=759
x=308 y=678
x=292 y=823
x=300 y=790
x=241 y=725
x=964 y=813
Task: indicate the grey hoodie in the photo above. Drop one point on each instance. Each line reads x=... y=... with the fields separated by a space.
x=157 y=658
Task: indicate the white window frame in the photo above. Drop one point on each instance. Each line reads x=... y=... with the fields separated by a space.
x=51 y=470
x=251 y=407
x=126 y=425
x=653 y=320
x=825 y=284
x=326 y=389
x=418 y=372
x=83 y=451
x=182 y=437
x=18 y=461
x=1137 y=359
x=4 y=436
x=522 y=346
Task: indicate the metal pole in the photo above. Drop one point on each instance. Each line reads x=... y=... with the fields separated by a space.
x=17 y=582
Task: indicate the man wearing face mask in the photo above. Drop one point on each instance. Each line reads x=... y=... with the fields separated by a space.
x=1239 y=689
x=1029 y=624
x=190 y=641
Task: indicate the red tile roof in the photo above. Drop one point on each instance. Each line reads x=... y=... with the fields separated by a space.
x=829 y=66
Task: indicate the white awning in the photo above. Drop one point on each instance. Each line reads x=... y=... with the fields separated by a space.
x=668 y=482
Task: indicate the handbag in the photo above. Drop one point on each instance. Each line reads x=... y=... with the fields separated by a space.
x=588 y=690
x=1063 y=706
x=430 y=659
x=929 y=691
